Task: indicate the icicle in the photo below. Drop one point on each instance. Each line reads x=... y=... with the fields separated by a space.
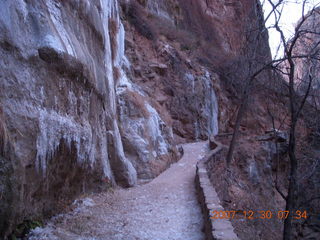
x=54 y=127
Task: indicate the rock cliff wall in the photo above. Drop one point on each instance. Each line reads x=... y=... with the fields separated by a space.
x=308 y=44
x=97 y=93
x=62 y=133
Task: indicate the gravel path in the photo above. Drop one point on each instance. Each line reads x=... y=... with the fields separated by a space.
x=163 y=209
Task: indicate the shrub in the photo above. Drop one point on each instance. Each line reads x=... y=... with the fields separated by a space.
x=24 y=228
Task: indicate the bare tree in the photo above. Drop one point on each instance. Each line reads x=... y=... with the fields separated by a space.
x=297 y=102
x=297 y=99
x=256 y=65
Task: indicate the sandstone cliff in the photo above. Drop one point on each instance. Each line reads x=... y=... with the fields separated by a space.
x=97 y=93
x=59 y=117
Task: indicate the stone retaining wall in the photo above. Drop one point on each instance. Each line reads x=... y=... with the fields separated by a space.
x=215 y=229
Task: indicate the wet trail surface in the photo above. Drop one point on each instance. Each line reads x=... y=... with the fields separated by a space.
x=164 y=209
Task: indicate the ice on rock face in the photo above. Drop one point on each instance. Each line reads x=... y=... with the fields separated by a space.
x=253 y=171
x=151 y=125
x=105 y=161
x=52 y=42
x=155 y=124
x=64 y=42
x=205 y=102
x=54 y=127
x=156 y=8
x=211 y=105
x=196 y=130
x=120 y=51
x=214 y=128
x=72 y=101
x=190 y=80
x=110 y=10
x=138 y=127
x=123 y=83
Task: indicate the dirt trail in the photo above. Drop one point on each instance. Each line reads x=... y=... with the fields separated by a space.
x=163 y=209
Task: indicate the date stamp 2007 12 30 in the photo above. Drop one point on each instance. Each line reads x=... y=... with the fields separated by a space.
x=264 y=215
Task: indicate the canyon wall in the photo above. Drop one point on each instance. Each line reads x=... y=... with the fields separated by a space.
x=62 y=133
x=98 y=93
x=308 y=44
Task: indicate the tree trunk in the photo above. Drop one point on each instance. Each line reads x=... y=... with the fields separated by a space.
x=236 y=131
x=292 y=191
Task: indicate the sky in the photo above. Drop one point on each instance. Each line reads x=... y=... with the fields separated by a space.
x=292 y=12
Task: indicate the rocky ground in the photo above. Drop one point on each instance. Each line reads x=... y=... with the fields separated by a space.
x=165 y=208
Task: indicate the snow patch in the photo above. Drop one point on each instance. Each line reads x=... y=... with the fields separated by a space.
x=86 y=202
x=46 y=233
